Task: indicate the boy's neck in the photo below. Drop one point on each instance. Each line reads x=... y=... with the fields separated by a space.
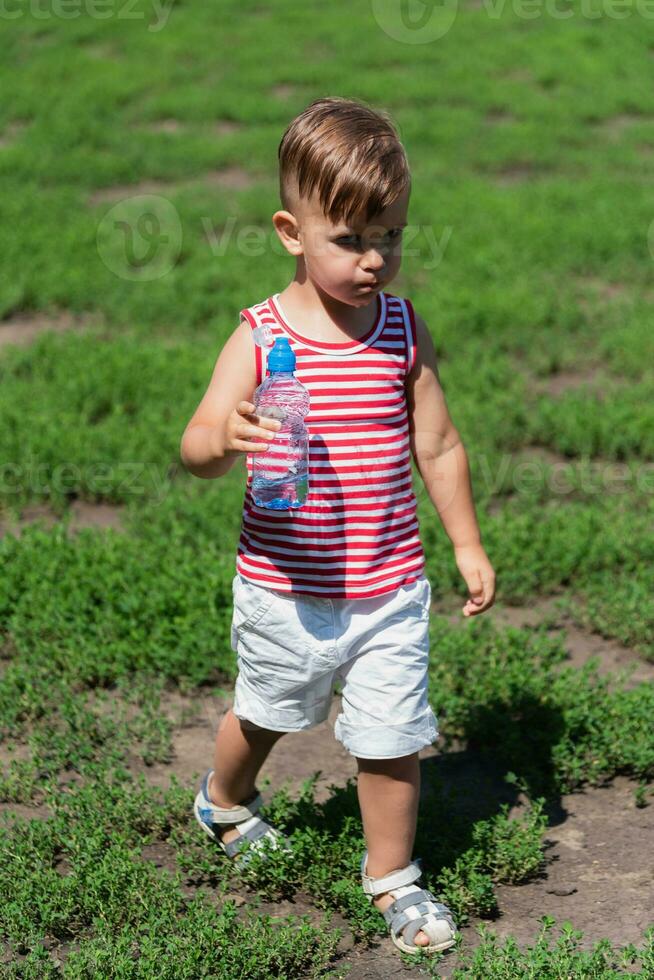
x=318 y=316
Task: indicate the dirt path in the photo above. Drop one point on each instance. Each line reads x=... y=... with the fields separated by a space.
x=600 y=866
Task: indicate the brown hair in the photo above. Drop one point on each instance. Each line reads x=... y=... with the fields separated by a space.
x=349 y=152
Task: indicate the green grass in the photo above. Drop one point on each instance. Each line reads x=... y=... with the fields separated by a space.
x=551 y=960
x=532 y=171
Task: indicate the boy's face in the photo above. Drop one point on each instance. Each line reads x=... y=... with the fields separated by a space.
x=351 y=263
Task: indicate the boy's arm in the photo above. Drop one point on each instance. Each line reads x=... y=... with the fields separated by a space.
x=436 y=445
x=442 y=462
x=202 y=447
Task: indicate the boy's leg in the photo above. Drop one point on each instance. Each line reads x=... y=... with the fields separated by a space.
x=240 y=751
x=389 y=792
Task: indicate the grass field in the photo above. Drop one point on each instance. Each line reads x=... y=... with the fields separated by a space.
x=138 y=176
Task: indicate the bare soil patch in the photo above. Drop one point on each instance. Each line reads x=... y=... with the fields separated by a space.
x=226 y=127
x=102 y=51
x=580 y=644
x=562 y=381
x=602 y=288
x=12 y=131
x=83 y=514
x=593 y=379
x=500 y=117
x=227 y=178
x=594 y=290
x=600 y=870
x=283 y=90
x=21 y=329
x=568 y=477
x=223 y=127
x=517 y=75
x=518 y=173
x=23 y=811
x=614 y=127
x=231 y=178
x=165 y=126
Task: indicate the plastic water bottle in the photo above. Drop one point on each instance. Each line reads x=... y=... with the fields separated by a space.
x=280 y=478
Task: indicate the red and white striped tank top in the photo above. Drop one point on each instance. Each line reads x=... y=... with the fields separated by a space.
x=357 y=534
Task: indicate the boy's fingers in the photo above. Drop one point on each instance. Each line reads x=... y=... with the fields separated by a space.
x=250 y=447
x=476 y=587
x=262 y=421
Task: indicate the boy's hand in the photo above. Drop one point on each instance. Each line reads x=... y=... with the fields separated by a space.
x=479 y=576
x=243 y=425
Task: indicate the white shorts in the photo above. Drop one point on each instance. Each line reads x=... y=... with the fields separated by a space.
x=291 y=649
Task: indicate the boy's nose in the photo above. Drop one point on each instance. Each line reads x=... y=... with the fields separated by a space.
x=373 y=261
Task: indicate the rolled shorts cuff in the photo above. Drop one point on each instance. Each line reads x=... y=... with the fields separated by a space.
x=385 y=741
x=248 y=706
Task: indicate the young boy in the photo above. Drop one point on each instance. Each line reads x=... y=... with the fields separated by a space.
x=336 y=588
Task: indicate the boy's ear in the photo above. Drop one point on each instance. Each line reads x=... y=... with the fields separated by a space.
x=288 y=232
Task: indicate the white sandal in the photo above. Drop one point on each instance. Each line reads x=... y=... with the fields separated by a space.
x=251 y=827
x=414 y=909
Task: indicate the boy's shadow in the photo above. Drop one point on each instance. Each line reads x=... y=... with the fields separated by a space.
x=459 y=788
x=465 y=786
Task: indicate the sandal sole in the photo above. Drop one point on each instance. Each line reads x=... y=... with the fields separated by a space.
x=414 y=950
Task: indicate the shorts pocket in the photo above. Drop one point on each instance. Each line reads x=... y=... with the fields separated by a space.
x=277 y=653
x=418 y=595
x=251 y=603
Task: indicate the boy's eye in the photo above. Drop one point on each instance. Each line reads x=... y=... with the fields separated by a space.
x=353 y=239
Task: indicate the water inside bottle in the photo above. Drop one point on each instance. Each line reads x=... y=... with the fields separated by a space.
x=284 y=483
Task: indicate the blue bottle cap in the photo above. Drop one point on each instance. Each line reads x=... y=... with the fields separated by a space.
x=281 y=357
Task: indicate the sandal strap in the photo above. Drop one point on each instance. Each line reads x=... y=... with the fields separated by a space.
x=226 y=815
x=251 y=828
x=419 y=897
x=252 y=831
x=395 y=879
x=410 y=912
